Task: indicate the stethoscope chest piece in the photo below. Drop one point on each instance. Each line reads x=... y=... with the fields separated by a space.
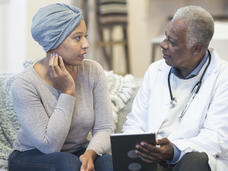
x=173 y=103
x=194 y=91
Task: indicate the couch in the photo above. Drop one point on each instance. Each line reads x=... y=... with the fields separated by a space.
x=122 y=91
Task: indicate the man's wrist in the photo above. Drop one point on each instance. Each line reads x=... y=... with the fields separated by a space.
x=176 y=155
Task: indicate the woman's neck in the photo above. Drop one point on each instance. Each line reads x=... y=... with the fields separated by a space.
x=72 y=69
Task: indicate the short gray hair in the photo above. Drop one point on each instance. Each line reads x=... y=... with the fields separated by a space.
x=199 y=22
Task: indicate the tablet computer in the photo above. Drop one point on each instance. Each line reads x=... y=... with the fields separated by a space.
x=124 y=156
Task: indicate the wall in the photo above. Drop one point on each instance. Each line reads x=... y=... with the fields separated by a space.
x=12 y=33
x=147 y=20
x=3 y=21
x=34 y=50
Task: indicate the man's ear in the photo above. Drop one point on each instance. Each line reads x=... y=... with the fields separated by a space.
x=197 y=49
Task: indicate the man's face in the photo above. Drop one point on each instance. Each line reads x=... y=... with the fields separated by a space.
x=174 y=47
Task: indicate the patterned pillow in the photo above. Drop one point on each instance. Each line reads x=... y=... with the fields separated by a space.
x=8 y=120
x=121 y=89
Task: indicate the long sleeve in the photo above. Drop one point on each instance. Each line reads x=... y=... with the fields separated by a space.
x=103 y=125
x=176 y=155
x=213 y=136
x=44 y=132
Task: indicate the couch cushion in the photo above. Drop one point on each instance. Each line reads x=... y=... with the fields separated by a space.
x=8 y=120
x=122 y=89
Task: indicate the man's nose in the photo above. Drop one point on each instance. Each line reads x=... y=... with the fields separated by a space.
x=164 y=44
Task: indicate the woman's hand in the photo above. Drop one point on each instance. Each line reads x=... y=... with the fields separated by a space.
x=152 y=154
x=59 y=76
x=87 y=160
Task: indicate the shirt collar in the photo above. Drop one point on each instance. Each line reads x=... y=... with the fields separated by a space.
x=195 y=72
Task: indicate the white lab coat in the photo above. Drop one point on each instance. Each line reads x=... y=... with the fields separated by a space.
x=203 y=128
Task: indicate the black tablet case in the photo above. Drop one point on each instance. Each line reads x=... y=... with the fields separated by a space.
x=123 y=152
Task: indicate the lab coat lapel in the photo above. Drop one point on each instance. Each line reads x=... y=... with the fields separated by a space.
x=160 y=103
x=196 y=113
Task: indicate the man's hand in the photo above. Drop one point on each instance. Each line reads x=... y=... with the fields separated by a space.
x=59 y=76
x=152 y=154
x=87 y=160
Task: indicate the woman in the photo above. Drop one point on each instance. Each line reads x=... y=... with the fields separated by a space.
x=60 y=99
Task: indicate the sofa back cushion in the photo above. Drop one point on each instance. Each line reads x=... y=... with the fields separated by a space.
x=8 y=120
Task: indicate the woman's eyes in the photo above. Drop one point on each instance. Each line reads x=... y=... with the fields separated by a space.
x=78 y=38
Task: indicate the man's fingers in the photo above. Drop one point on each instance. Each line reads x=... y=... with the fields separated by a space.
x=163 y=141
x=147 y=148
x=147 y=161
x=149 y=151
x=142 y=149
x=149 y=158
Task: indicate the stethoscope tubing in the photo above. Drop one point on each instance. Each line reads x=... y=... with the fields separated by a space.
x=194 y=91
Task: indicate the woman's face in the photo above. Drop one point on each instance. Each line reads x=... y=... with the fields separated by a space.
x=73 y=48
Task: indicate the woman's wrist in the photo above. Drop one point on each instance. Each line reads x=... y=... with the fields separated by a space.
x=92 y=154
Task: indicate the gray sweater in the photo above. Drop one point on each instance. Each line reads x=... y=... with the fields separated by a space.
x=52 y=121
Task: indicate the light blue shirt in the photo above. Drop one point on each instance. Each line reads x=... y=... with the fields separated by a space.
x=194 y=72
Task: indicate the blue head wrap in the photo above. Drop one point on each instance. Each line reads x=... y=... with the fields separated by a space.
x=53 y=23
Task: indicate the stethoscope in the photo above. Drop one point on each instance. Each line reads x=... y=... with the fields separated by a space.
x=194 y=91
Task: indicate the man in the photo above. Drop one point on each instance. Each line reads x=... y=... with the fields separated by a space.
x=184 y=99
